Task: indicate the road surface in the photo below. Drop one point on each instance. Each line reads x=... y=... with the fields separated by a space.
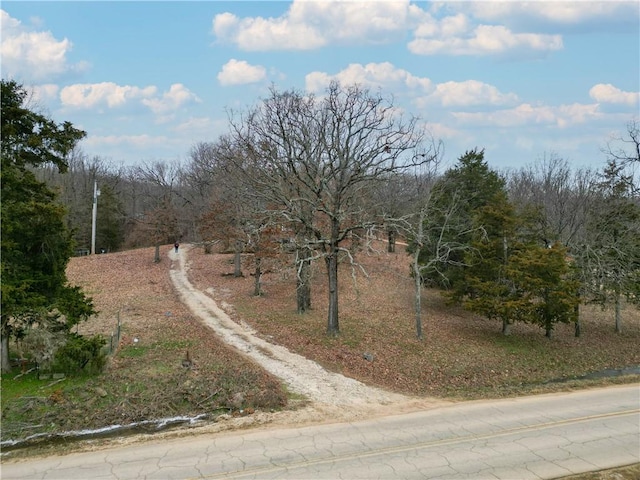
x=547 y=436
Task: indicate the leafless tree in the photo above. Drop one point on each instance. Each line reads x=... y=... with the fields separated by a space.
x=75 y=192
x=624 y=151
x=431 y=226
x=158 y=221
x=560 y=195
x=312 y=159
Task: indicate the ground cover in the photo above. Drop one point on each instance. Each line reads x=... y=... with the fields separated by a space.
x=462 y=356
x=145 y=379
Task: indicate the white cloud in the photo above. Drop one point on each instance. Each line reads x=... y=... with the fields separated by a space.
x=372 y=75
x=260 y=34
x=556 y=12
x=45 y=93
x=314 y=24
x=239 y=72
x=441 y=131
x=136 y=141
x=109 y=94
x=450 y=26
x=195 y=125
x=224 y=25
x=482 y=40
x=391 y=79
x=470 y=92
x=33 y=55
x=177 y=96
x=607 y=93
x=527 y=114
x=8 y=23
x=310 y=25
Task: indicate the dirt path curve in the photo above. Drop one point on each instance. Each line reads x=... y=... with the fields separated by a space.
x=301 y=375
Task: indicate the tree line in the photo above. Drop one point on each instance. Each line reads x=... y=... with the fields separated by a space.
x=317 y=176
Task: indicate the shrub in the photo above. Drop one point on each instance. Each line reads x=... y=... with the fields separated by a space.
x=81 y=354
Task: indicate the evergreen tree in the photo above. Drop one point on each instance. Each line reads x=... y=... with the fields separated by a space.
x=486 y=286
x=511 y=276
x=36 y=245
x=471 y=184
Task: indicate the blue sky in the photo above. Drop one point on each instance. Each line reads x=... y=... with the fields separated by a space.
x=148 y=80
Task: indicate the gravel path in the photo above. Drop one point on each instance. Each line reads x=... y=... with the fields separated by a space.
x=300 y=374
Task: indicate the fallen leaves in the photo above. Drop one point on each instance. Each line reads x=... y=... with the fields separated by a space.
x=462 y=354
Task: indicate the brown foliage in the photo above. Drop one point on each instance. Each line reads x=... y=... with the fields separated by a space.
x=146 y=379
x=462 y=354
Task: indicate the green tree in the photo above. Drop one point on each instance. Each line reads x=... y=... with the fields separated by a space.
x=483 y=284
x=512 y=276
x=471 y=185
x=36 y=246
x=543 y=275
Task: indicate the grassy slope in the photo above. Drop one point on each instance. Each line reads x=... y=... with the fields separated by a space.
x=145 y=379
x=462 y=356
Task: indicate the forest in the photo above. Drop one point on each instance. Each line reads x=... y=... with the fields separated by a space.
x=314 y=179
x=319 y=176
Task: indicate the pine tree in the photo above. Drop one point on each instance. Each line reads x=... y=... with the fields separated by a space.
x=471 y=184
x=36 y=245
x=512 y=276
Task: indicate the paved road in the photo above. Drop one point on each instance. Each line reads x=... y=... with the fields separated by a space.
x=527 y=438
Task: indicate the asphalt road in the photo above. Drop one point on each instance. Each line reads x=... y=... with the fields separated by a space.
x=546 y=436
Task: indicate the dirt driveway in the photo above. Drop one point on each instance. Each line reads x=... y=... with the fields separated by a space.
x=331 y=395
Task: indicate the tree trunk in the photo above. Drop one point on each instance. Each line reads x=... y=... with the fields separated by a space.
x=333 y=327
x=578 y=325
x=548 y=330
x=618 y=312
x=303 y=280
x=303 y=295
x=4 y=353
x=418 y=294
x=156 y=257
x=237 y=264
x=257 y=290
x=506 y=328
x=391 y=247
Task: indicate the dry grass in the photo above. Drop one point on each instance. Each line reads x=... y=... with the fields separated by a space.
x=462 y=355
x=145 y=379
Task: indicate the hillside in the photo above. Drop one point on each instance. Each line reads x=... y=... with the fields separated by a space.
x=462 y=356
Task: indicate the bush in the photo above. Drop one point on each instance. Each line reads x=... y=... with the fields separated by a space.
x=42 y=345
x=81 y=354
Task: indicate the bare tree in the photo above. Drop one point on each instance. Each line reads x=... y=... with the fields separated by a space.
x=75 y=192
x=432 y=227
x=624 y=151
x=202 y=180
x=611 y=254
x=561 y=196
x=158 y=221
x=559 y=201
x=313 y=158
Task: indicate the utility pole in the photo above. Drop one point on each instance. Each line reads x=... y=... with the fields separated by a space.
x=96 y=194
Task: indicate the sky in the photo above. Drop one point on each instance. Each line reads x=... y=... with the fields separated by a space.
x=148 y=81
